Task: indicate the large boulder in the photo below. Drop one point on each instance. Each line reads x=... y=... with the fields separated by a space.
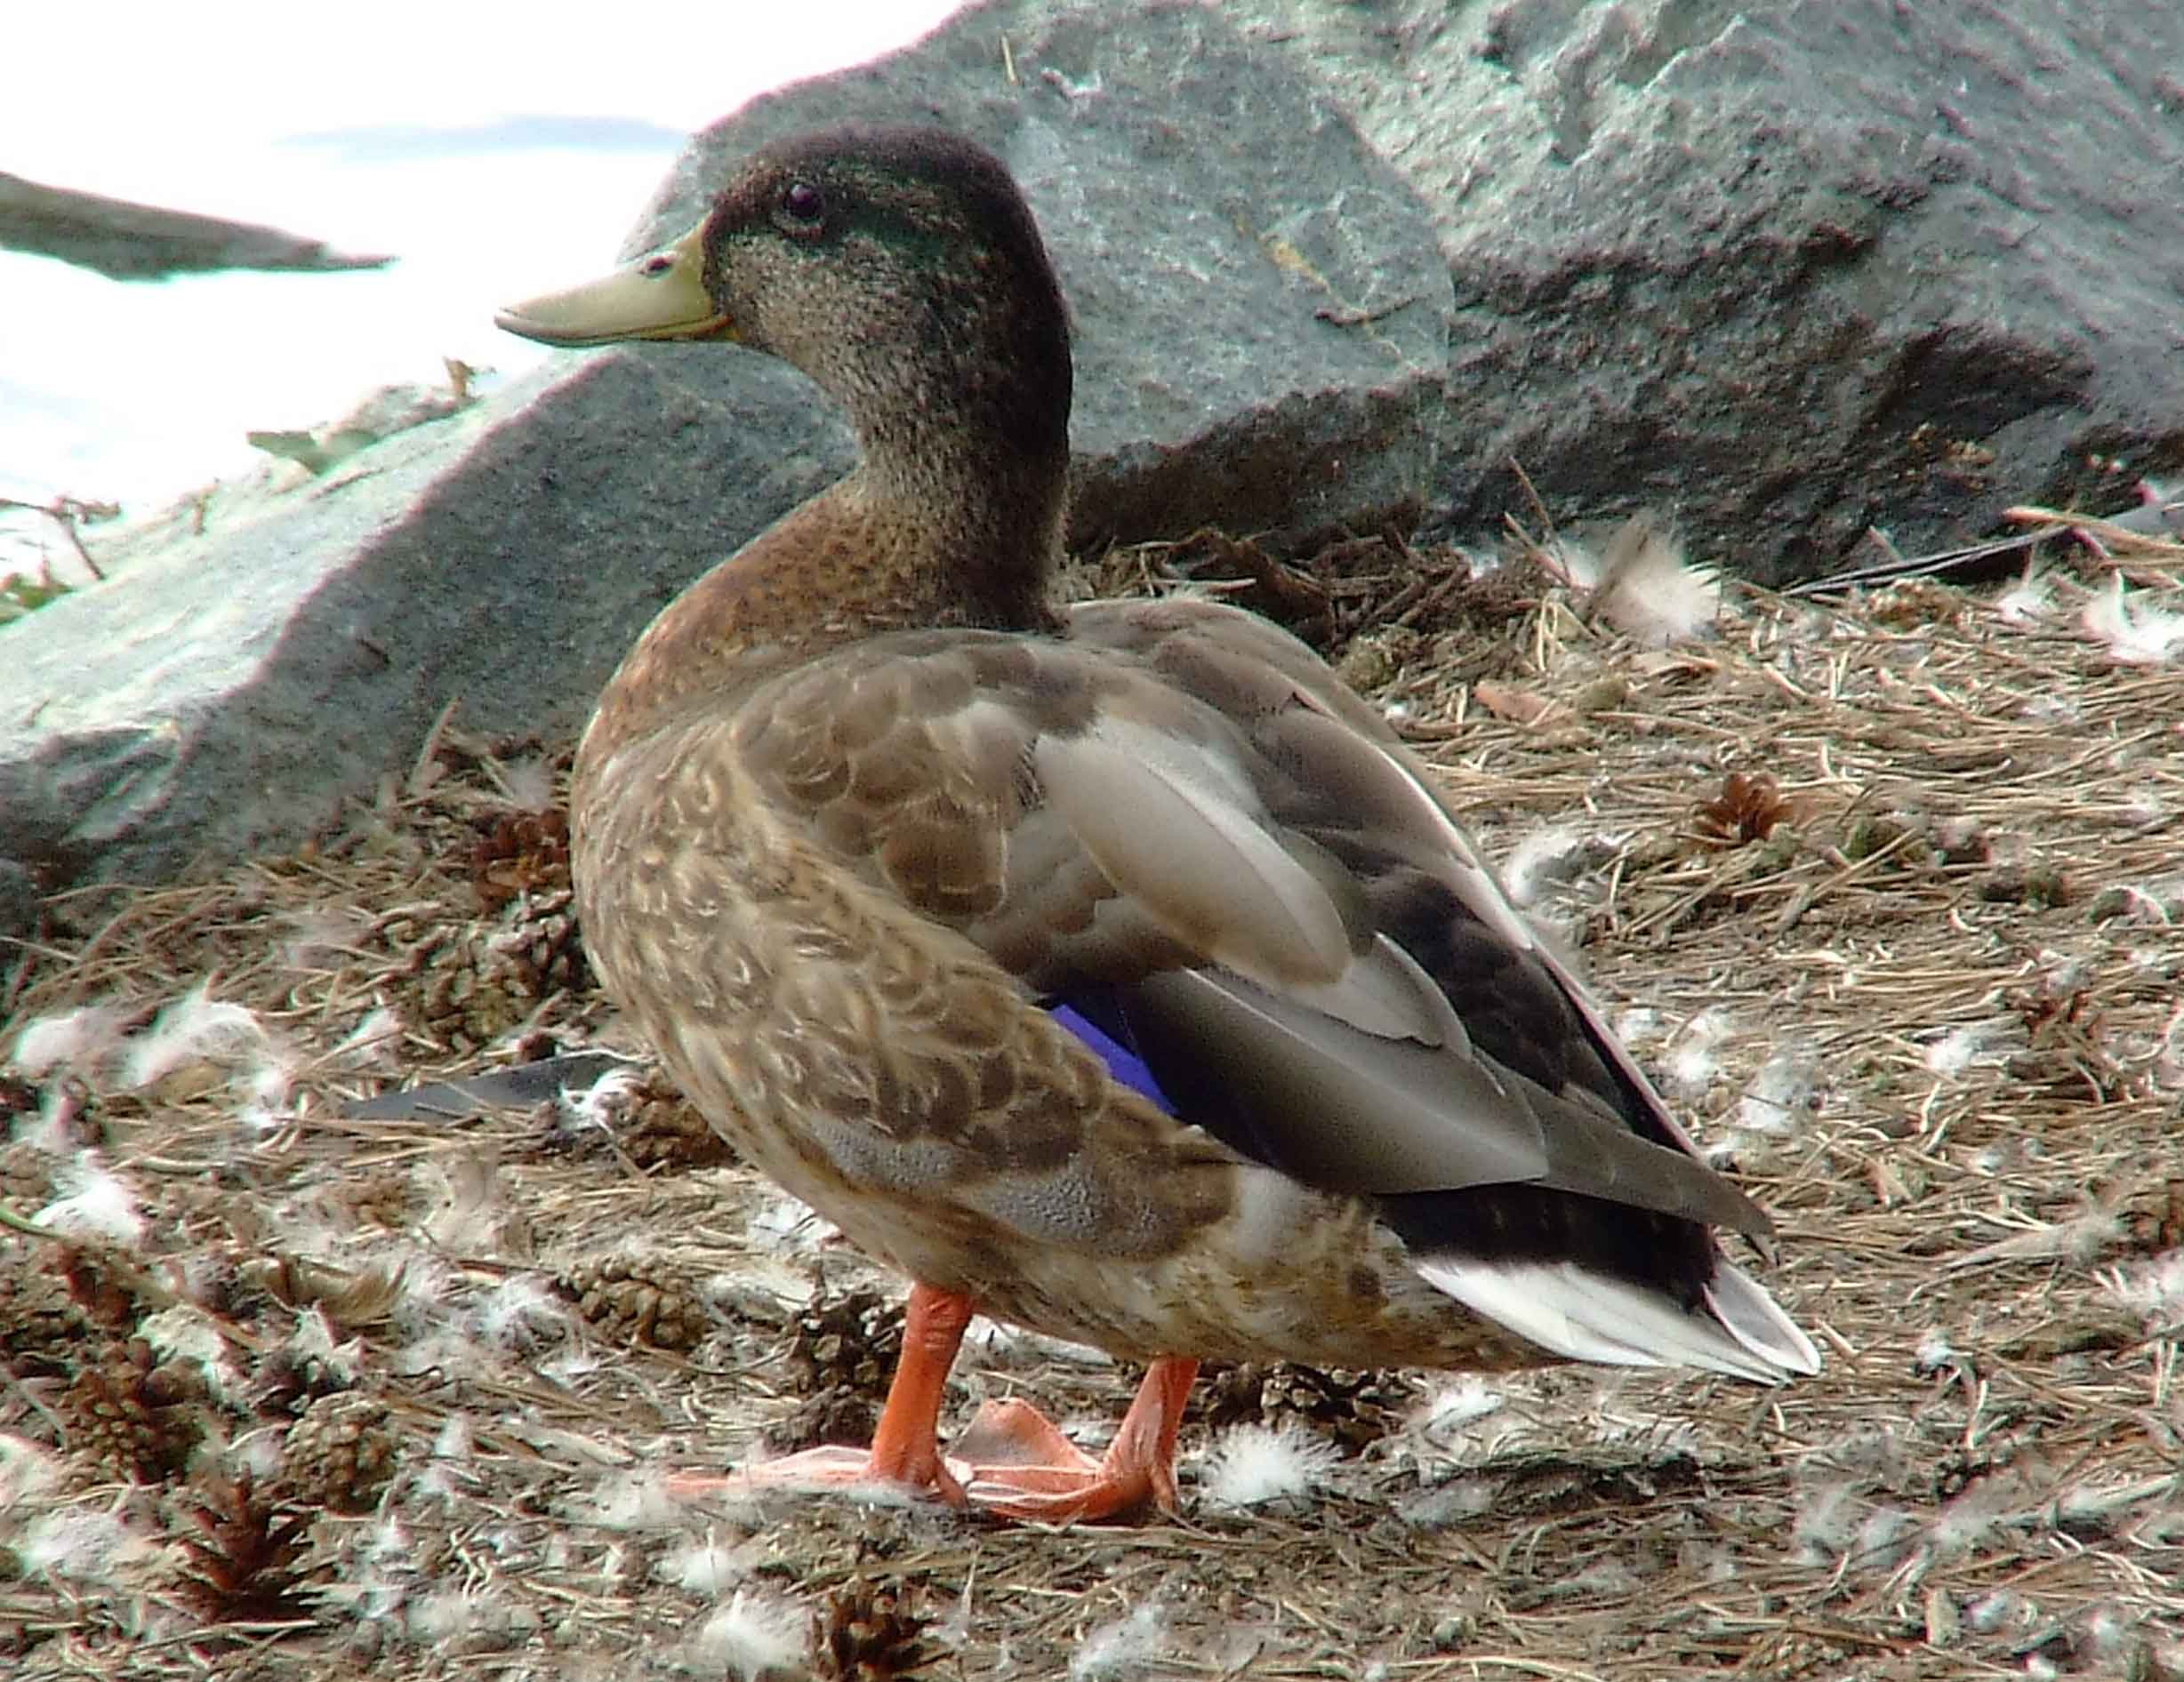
x=223 y=690
x=1795 y=269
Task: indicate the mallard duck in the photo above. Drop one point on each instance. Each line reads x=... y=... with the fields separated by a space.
x=1111 y=970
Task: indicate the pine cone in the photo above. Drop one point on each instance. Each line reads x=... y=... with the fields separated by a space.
x=1355 y=1409
x=538 y=951
x=241 y=1550
x=837 y=1414
x=1747 y=809
x=1226 y=1394
x=632 y=1300
x=1350 y=1409
x=124 y=1418
x=103 y=1282
x=868 y=1634
x=39 y=1320
x=847 y=1342
x=470 y=998
x=520 y=853
x=482 y=984
x=339 y=1455
x=668 y=1133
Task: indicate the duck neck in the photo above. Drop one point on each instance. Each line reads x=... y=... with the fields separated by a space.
x=902 y=543
x=975 y=529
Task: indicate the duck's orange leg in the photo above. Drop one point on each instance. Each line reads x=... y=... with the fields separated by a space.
x=1011 y=1461
x=905 y=1450
x=1018 y=1465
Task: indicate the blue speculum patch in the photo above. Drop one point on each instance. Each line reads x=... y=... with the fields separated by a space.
x=1123 y=1064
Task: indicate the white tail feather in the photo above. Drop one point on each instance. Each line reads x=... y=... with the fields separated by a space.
x=1756 y=1320
x=1590 y=1317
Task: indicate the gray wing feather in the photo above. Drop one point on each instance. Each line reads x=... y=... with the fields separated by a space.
x=1353 y=1111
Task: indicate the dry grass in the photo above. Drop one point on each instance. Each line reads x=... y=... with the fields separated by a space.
x=1888 y=892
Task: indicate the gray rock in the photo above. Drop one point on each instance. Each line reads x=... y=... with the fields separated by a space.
x=1794 y=270
x=19 y=901
x=222 y=693
x=226 y=689
x=128 y=241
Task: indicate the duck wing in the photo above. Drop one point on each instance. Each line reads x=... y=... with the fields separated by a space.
x=1178 y=822
x=1605 y=1256
x=1348 y=781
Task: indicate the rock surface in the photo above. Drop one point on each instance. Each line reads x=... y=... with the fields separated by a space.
x=1788 y=272
x=224 y=691
x=1793 y=270
x=127 y=241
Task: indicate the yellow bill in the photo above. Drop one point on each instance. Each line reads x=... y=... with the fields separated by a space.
x=662 y=295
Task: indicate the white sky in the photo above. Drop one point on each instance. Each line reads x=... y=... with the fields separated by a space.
x=141 y=390
x=147 y=100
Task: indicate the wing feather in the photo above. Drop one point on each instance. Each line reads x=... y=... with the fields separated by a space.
x=1193 y=853
x=1184 y=809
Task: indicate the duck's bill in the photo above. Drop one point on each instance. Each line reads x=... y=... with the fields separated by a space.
x=661 y=295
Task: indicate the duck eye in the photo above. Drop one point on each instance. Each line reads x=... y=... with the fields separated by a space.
x=803 y=203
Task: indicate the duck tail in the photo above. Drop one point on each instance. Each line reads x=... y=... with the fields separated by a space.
x=1737 y=1328
x=1756 y=1320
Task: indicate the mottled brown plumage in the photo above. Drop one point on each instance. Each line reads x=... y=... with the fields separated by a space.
x=864 y=801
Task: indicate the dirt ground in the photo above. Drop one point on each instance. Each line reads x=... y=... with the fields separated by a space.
x=1886 y=889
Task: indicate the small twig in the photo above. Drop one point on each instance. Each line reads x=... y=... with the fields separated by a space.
x=1295 y=597
x=424 y=770
x=1358 y=316
x=1542 y=552
x=2136 y=532
x=1539 y=508
x=1436 y=592
x=64 y=511
x=1939 y=562
x=24 y=1224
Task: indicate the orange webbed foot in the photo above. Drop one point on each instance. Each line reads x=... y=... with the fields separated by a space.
x=1018 y=1465
x=828 y=1467
x=1011 y=1462
x=904 y=1454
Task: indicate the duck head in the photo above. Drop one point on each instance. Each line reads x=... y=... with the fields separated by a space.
x=899 y=268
